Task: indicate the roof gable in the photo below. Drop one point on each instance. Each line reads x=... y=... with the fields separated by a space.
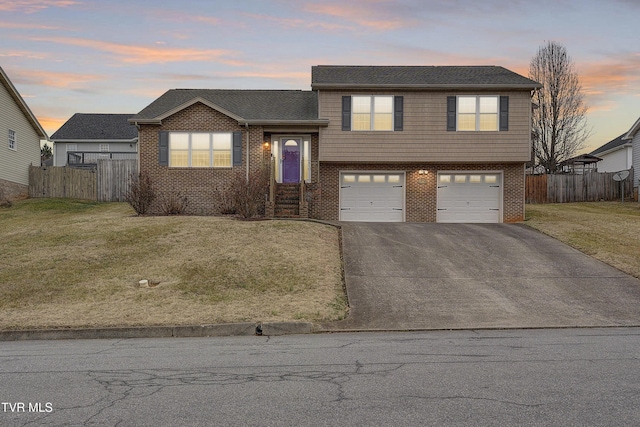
x=104 y=127
x=424 y=77
x=613 y=145
x=4 y=80
x=246 y=106
x=634 y=129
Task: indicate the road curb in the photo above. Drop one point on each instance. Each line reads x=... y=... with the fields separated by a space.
x=215 y=330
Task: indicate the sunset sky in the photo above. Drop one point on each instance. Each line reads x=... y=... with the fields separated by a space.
x=90 y=56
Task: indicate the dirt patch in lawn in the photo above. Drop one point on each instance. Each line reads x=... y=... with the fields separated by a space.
x=607 y=231
x=78 y=264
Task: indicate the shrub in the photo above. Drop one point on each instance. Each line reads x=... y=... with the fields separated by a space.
x=173 y=203
x=141 y=193
x=245 y=197
x=224 y=200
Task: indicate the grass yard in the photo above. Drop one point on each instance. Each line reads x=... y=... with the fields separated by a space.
x=607 y=231
x=66 y=263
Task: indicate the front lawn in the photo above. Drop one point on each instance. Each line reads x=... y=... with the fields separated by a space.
x=67 y=263
x=608 y=231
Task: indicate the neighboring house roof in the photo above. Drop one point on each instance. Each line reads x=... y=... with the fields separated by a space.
x=424 y=77
x=613 y=145
x=4 y=80
x=98 y=127
x=246 y=106
x=632 y=132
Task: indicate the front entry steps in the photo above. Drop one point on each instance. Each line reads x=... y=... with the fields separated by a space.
x=287 y=202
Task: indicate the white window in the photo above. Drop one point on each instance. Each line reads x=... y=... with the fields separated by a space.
x=200 y=150
x=372 y=113
x=12 y=139
x=104 y=148
x=72 y=147
x=477 y=113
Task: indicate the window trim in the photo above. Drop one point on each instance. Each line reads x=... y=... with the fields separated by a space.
x=189 y=150
x=372 y=113
x=12 y=137
x=478 y=113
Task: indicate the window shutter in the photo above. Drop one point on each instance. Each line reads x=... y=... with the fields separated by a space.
x=504 y=113
x=398 y=105
x=451 y=113
x=237 y=148
x=163 y=148
x=346 y=113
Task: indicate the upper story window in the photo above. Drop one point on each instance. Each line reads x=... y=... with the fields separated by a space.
x=104 y=148
x=72 y=147
x=12 y=139
x=372 y=113
x=478 y=113
x=200 y=150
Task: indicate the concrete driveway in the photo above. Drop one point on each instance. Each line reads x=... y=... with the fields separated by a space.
x=449 y=276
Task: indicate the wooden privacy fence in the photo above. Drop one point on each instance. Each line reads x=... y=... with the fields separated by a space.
x=108 y=182
x=590 y=187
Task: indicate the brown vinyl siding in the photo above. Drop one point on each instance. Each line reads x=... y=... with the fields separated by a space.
x=425 y=137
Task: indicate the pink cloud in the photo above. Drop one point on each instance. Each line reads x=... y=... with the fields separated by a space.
x=21 y=26
x=31 y=6
x=363 y=14
x=133 y=54
x=54 y=79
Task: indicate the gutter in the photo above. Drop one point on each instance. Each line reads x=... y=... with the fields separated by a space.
x=246 y=125
x=317 y=86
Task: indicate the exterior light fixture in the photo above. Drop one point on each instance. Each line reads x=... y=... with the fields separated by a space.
x=423 y=172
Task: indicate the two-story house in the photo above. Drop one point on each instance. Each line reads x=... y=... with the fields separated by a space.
x=367 y=143
x=20 y=135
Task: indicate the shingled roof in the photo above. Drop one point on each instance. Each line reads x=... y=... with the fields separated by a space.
x=81 y=127
x=246 y=106
x=424 y=77
x=611 y=145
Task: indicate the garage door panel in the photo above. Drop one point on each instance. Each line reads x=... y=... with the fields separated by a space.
x=469 y=197
x=372 y=197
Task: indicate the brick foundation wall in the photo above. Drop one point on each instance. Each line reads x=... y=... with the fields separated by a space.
x=13 y=191
x=421 y=190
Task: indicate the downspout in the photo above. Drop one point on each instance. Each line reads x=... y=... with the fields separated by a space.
x=247 y=127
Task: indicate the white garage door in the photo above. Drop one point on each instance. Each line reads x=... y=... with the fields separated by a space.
x=372 y=196
x=469 y=197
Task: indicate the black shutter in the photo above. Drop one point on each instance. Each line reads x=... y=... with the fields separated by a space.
x=163 y=148
x=346 y=113
x=451 y=113
x=398 y=105
x=237 y=148
x=504 y=113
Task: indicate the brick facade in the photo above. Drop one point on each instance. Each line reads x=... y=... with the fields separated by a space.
x=421 y=190
x=201 y=185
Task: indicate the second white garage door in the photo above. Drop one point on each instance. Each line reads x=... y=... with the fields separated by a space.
x=469 y=197
x=372 y=196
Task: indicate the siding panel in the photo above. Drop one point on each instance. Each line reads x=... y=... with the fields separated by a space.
x=425 y=137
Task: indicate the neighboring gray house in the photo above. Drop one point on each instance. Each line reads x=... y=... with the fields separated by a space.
x=85 y=138
x=616 y=155
x=633 y=136
x=20 y=135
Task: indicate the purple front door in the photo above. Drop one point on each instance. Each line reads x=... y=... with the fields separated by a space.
x=291 y=161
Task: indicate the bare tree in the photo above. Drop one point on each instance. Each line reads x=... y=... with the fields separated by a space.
x=559 y=126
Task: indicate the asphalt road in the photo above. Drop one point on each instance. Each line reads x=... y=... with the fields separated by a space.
x=568 y=377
